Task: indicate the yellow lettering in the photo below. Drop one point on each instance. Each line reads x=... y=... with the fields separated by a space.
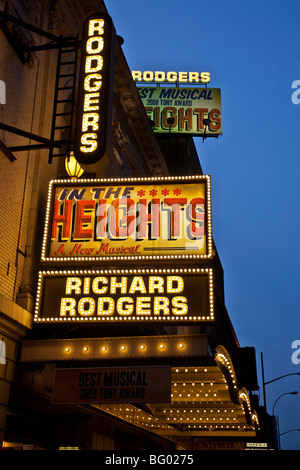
x=95 y=285
x=99 y=41
x=97 y=83
x=67 y=306
x=137 y=285
x=93 y=63
x=160 y=76
x=122 y=285
x=148 y=76
x=156 y=283
x=90 y=302
x=180 y=306
x=89 y=142
x=105 y=301
x=91 y=99
x=205 y=77
x=175 y=284
x=128 y=309
x=96 y=26
x=182 y=77
x=171 y=76
x=161 y=304
x=194 y=77
x=143 y=306
x=136 y=75
x=73 y=284
x=90 y=120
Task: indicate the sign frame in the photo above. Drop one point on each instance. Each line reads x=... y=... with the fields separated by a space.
x=207 y=302
x=187 y=253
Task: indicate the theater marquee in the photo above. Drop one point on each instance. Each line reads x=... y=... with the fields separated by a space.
x=128 y=219
x=153 y=295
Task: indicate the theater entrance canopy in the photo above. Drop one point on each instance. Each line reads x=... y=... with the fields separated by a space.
x=203 y=404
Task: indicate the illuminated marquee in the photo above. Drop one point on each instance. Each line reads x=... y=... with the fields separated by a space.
x=166 y=295
x=170 y=77
x=95 y=92
x=195 y=111
x=128 y=219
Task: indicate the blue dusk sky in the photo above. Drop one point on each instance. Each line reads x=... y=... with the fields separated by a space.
x=252 y=51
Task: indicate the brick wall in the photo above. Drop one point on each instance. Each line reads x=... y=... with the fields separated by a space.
x=24 y=181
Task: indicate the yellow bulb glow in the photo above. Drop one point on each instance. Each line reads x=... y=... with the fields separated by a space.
x=94 y=45
x=93 y=82
x=96 y=25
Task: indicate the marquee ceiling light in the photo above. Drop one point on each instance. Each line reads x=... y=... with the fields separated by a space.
x=213 y=421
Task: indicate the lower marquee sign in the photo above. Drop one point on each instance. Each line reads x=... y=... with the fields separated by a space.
x=148 y=384
x=163 y=295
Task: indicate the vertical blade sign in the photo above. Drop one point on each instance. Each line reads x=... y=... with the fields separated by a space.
x=95 y=93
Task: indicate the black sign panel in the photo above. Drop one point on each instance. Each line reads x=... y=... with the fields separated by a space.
x=95 y=92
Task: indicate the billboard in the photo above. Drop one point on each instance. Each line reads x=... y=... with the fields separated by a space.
x=148 y=295
x=128 y=219
x=149 y=384
x=194 y=111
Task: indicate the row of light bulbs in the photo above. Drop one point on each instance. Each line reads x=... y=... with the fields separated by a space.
x=124 y=347
x=204 y=410
x=119 y=319
x=136 y=179
x=197 y=395
x=200 y=418
x=131 y=257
